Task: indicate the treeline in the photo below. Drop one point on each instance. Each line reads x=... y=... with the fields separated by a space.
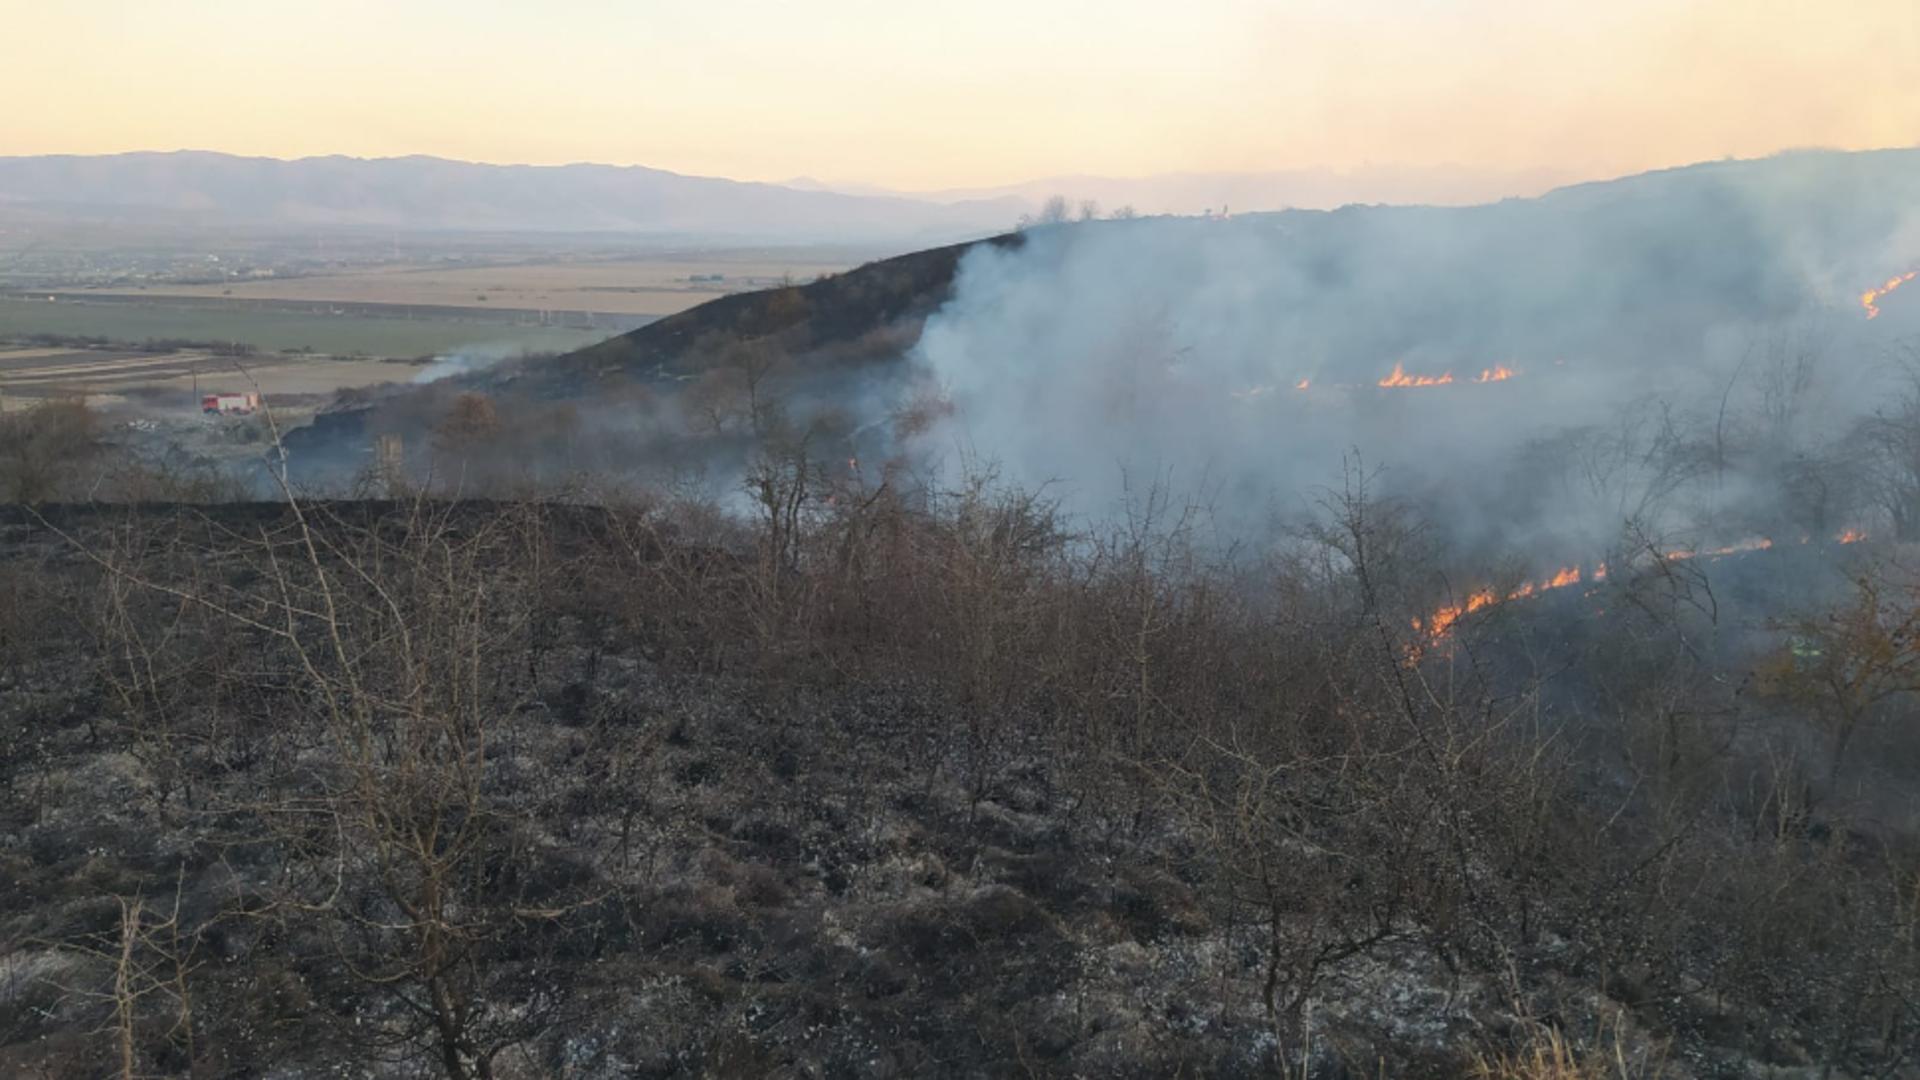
x=149 y=345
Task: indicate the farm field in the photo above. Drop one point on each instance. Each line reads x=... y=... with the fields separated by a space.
x=356 y=332
x=168 y=380
x=646 y=286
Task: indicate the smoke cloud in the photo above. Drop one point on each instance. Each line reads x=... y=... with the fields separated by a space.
x=467 y=360
x=1683 y=347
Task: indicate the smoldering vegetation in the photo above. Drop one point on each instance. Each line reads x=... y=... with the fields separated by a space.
x=859 y=785
x=1025 y=677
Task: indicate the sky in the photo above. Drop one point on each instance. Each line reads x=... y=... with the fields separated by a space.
x=917 y=95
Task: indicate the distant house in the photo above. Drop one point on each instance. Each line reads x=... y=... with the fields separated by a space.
x=230 y=404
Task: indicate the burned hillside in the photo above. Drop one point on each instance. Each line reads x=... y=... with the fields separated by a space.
x=1402 y=642
x=475 y=789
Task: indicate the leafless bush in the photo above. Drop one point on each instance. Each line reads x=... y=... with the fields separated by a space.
x=46 y=451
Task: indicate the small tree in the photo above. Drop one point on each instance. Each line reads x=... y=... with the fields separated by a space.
x=1851 y=660
x=1055 y=211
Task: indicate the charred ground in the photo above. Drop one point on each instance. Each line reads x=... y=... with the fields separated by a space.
x=518 y=789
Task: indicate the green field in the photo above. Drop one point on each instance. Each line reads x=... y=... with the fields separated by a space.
x=350 y=334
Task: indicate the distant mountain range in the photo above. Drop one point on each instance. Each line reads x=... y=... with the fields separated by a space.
x=1200 y=192
x=197 y=188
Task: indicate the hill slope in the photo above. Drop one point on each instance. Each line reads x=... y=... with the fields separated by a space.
x=1625 y=280
x=1677 y=246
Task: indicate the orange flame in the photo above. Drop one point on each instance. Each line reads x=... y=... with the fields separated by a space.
x=1301 y=385
x=1496 y=373
x=1870 y=299
x=1438 y=625
x=1441 y=622
x=1400 y=378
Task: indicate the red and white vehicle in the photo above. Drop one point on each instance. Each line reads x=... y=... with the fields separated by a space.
x=230 y=404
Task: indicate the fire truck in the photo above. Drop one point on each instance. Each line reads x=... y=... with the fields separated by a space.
x=230 y=404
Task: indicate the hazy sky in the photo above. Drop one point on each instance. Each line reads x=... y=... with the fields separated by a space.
x=918 y=94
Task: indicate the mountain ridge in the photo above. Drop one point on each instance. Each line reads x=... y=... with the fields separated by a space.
x=426 y=193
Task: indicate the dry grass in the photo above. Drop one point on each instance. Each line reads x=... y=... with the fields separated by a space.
x=1551 y=1057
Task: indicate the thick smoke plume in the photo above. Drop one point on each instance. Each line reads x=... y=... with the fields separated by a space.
x=1682 y=354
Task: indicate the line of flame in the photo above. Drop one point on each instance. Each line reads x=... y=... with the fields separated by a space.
x=1870 y=298
x=1438 y=625
x=1401 y=378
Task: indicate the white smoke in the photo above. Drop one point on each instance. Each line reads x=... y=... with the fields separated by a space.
x=468 y=359
x=1094 y=358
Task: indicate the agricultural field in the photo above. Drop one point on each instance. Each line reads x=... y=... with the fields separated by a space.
x=170 y=382
x=649 y=285
x=351 y=332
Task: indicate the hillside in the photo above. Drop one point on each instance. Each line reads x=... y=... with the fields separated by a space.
x=838 y=326
x=554 y=791
x=869 y=314
x=1664 y=246
x=1652 y=275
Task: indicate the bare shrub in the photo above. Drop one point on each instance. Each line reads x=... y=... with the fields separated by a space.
x=46 y=451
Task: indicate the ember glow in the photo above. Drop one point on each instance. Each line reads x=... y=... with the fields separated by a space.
x=1301 y=385
x=1757 y=544
x=1400 y=378
x=1870 y=300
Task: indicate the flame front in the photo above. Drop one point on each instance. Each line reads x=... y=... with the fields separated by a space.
x=1870 y=299
x=1400 y=378
x=1441 y=622
x=1756 y=544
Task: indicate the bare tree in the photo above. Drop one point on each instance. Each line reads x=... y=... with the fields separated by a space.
x=1056 y=210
